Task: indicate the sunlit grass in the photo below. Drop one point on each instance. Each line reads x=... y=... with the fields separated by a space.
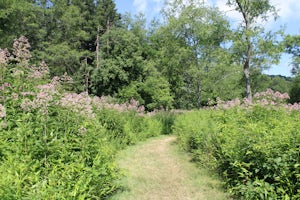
x=157 y=169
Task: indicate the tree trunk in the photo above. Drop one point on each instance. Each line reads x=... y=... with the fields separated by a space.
x=249 y=51
x=97 y=48
x=247 y=70
x=107 y=41
x=248 y=82
x=199 y=90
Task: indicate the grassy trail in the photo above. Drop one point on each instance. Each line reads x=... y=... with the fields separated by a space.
x=157 y=170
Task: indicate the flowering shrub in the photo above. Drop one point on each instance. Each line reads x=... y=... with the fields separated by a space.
x=21 y=51
x=255 y=150
x=269 y=97
x=264 y=99
x=2 y=111
x=78 y=103
x=39 y=72
x=56 y=144
x=4 y=56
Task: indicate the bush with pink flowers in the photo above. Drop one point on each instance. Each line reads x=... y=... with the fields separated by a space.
x=57 y=144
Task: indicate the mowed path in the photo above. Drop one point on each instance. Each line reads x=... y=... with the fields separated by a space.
x=157 y=170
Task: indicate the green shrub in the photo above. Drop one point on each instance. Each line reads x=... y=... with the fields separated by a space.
x=167 y=119
x=56 y=144
x=255 y=150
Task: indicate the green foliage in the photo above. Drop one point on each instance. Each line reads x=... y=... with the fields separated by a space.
x=57 y=145
x=200 y=66
x=182 y=63
x=122 y=62
x=253 y=46
x=295 y=90
x=255 y=150
x=261 y=82
x=292 y=44
x=167 y=120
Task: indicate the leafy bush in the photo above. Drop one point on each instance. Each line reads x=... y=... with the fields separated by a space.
x=55 y=144
x=167 y=119
x=256 y=150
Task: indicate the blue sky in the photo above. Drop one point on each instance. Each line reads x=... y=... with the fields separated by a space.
x=288 y=10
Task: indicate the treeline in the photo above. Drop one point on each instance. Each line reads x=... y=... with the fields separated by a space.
x=182 y=61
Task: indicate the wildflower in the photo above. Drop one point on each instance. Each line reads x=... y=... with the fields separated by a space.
x=82 y=130
x=2 y=111
x=78 y=103
x=4 y=124
x=21 y=50
x=27 y=105
x=39 y=72
x=4 y=56
x=4 y=85
x=66 y=78
x=269 y=97
x=27 y=94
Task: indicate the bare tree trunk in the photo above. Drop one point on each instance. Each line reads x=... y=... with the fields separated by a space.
x=107 y=41
x=247 y=70
x=248 y=83
x=87 y=75
x=199 y=90
x=248 y=53
x=98 y=48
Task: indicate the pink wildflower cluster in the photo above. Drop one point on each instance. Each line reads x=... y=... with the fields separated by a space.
x=39 y=72
x=65 y=78
x=104 y=102
x=269 y=97
x=4 y=56
x=79 y=103
x=2 y=111
x=228 y=104
x=4 y=85
x=291 y=107
x=43 y=98
x=22 y=50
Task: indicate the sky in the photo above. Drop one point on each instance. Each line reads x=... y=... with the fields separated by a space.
x=288 y=11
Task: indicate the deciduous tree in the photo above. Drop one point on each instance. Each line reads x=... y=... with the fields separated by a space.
x=253 y=46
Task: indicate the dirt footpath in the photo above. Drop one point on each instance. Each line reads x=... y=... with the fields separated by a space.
x=157 y=170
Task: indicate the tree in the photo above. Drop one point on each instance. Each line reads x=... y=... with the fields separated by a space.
x=253 y=46
x=18 y=18
x=71 y=30
x=292 y=46
x=121 y=62
x=190 y=49
x=295 y=90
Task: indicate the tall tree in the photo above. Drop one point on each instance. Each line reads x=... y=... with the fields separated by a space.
x=191 y=37
x=295 y=89
x=71 y=29
x=17 y=18
x=254 y=46
x=292 y=46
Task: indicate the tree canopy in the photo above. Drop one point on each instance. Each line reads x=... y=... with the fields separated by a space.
x=189 y=58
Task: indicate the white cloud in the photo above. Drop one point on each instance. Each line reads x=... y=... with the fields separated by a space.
x=235 y=16
x=287 y=8
x=148 y=6
x=140 y=5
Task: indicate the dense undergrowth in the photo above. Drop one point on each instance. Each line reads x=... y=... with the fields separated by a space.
x=255 y=148
x=56 y=144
